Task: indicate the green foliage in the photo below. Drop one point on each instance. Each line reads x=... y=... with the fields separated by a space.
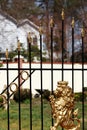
x=1 y=64
x=44 y=59
x=1 y=101
x=24 y=94
x=79 y=96
x=35 y=52
x=12 y=54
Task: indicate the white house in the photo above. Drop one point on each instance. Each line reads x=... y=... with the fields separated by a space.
x=24 y=27
x=8 y=32
x=12 y=30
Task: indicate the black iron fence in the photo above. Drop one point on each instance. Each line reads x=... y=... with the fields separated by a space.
x=42 y=111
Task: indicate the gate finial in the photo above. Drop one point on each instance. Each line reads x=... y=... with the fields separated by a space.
x=40 y=29
x=82 y=32
x=62 y=104
x=18 y=45
x=51 y=22
x=29 y=38
x=63 y=14
x=73 y=22
x=6 y=54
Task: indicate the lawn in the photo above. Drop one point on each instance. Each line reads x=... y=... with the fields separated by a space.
x=36 y=115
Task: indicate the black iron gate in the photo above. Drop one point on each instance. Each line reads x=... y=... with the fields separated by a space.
x=40 y=125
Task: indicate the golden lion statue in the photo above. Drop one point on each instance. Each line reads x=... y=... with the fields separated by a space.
x=62 y=104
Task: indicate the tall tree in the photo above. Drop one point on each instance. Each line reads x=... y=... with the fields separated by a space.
x=27 y=9
x=44 y=10
x=46 y=7
x=72 y=8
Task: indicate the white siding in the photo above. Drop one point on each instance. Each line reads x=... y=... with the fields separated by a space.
x=10 y=31
x=8 y=34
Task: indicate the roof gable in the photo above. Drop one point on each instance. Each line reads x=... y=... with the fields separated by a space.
x=20 y=22
x=8 y=17
x=11 y=29
x=27 y=21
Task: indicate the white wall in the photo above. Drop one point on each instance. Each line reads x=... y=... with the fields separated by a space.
x=10 y=31
x=46 y=75
x=8 y=34
x=23 y=33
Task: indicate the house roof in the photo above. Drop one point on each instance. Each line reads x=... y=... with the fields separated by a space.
x=20 y=22
x=27 y=21
x=10 y=18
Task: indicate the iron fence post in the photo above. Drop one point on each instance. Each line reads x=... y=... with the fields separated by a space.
x=41 y=74
x=19 y=91
x=29 y=60
x=73 y=24
x=63 y=15
x=82 y=36
x=8 y=114
x=51 y=27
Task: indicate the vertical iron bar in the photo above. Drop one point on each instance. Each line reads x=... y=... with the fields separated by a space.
x=8 y=114
x=51 y=27
x=82 y=79
x=40 y=31
x=29 y=52
x=62 y=44
x=19 y=84
x=72 y=54
x=62 y=14
x=73 y=24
